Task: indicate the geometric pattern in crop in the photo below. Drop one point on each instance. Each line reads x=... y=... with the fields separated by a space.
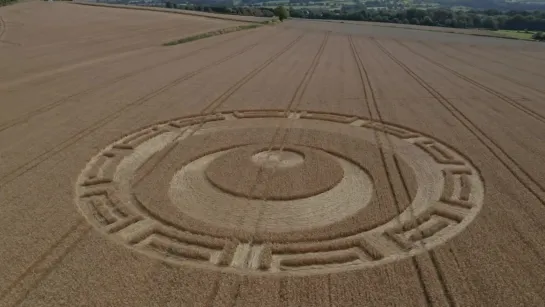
x=273 y=192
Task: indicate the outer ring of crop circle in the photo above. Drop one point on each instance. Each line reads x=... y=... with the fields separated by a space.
x=460 y=227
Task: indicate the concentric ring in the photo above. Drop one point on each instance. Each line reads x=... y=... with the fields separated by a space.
x=214 y=207
x=164 y=191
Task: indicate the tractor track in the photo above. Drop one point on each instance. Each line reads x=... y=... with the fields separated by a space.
x=25 y=117
x=487 y=89
x=29 y=165
x=80 y=224
x=366 y=82
x=531 y=184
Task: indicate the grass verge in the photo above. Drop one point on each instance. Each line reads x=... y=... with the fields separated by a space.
x=213 y=33
x=525 y=35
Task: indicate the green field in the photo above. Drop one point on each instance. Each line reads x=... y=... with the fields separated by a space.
x=527 y=35
x=309 y=5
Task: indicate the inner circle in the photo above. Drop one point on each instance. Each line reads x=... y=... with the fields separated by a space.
x=278 y=158
x=293 y=172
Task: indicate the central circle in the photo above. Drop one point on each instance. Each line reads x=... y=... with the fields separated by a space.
x=255 y=172
x=278 y=158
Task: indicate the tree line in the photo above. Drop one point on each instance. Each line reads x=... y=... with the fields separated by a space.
x=539 y=36
x=491 y=19
x=243 y=11
x=504 y=5
x=487 y=19
x=280 y=11
x=6 y=2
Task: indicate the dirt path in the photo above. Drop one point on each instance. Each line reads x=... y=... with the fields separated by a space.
x=303 y=164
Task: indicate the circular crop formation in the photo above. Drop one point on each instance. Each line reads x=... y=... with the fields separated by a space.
x=270 y=192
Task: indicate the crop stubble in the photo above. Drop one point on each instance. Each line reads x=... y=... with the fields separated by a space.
x=45 y=146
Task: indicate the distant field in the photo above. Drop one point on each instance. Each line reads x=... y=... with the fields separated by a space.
x=510 y=34
x=475 y=32
x=516 y=34
x=311 y=4
x=310 y=7
x=530 y=2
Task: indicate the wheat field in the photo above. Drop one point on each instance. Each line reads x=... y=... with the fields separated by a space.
x=302 y=163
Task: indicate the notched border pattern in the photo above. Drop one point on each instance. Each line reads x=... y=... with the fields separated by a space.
x=98 y=200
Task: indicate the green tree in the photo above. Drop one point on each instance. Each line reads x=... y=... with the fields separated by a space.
x=441 y=15
x=427 y=21
x=414 y=21
x=477 y=21
x=502 y=19
x=490 y=23
x=281 y=12
x=461 y=23
x=539 y=36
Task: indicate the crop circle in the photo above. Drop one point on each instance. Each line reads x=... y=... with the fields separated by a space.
x=269 y=192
